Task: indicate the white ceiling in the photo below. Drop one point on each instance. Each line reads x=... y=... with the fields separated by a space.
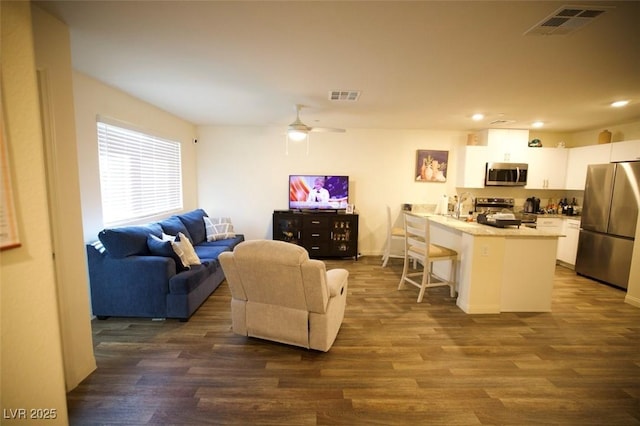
x=418 y=64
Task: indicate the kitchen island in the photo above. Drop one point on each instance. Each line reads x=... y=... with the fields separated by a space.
x=500 y=269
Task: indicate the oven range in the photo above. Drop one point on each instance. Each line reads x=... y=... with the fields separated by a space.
x=492 y=205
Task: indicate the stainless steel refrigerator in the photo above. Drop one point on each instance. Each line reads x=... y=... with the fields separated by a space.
x=608 y=225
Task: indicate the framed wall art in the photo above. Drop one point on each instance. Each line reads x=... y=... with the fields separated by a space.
x=8 y=223
x=431 y=165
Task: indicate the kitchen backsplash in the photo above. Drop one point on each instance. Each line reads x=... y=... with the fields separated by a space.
x=520 y=195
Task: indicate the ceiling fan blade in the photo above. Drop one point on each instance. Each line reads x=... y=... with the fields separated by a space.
x=298 y=129
x=327 y=129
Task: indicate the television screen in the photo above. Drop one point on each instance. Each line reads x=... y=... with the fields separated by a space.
x=318 y=192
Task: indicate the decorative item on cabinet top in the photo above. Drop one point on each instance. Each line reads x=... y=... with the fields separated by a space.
x=535 y=143
x=604 y=137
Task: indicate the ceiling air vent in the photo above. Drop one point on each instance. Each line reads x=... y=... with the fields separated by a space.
x=567 y=19
x=344 y=95
x=501 y=122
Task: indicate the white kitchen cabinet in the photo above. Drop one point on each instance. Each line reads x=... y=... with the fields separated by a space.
x=505 y=145
x=472 y=162
x=578 y=160
x=552 y=224
x=568 y=246
x=625 y=151
x=547 y=168
x=549 y=223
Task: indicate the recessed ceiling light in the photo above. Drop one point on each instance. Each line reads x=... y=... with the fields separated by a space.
x=477 y=117
x=618 y=104
x=537 y=124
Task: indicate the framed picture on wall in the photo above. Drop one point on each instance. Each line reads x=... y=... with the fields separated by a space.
x=8 y=222
x=431 y=165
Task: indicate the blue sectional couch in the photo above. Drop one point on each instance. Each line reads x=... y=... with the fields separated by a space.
x=131 y=276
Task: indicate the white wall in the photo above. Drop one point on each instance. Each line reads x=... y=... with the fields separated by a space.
x=243 y=173
x=619 y=132
x=53 y=59
x=31 y=349
x=93 y=98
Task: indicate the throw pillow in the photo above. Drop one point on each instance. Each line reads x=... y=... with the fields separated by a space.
x=161 y=247
x=184 y=249
x=218 y=228
x=167 y=237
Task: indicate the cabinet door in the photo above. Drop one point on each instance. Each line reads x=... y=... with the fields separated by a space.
x=547 y=168
x=580 y=158
x=568 y=246
x=344 y=236
x=287 y=227
x=625 y=151
x=472 y=165
x=507 y=145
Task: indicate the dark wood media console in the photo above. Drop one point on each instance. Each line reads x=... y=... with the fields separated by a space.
x=323 y=234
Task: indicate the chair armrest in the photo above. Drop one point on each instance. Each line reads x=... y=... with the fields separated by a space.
x=336 y=280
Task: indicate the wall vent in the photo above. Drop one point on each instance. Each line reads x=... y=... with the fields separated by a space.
x=567 y=19
x=344 y=95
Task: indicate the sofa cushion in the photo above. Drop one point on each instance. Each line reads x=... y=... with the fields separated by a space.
x=128 y=240
x=218 y=228
x=160 y=247
x=173 y=225
x=194 y=223
x=209 y=253
x=230 y=243
x=185 y=282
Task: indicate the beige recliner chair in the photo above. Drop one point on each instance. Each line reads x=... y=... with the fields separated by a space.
x=279 y=294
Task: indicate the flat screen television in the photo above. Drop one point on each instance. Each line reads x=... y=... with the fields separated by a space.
x=318 y=192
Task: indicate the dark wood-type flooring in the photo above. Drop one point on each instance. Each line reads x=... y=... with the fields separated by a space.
x=395 y=362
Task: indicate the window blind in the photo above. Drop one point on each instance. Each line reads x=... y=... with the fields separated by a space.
x=140 y=174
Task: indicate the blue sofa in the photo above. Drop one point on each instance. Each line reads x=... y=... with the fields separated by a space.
x=131 y=276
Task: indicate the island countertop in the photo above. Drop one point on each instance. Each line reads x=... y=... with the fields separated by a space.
x=499 y=269
x=478 y=229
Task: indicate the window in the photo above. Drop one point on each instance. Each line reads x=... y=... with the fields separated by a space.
x=140 y=174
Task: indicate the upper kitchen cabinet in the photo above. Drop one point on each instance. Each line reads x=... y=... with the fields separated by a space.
x=547 y=168
x=505 y=145
x=472 y=162
x=625 y=151
x=578 y=160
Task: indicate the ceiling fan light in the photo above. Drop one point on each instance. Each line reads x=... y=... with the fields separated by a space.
x=297 y=135
x=619 y=104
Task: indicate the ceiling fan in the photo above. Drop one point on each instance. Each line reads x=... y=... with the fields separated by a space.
x=298 y=131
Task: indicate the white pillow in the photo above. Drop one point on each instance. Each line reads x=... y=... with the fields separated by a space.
x=183 y=248
x=177 y=249
x=218 y=228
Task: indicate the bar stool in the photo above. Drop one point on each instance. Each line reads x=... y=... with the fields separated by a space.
x=419 y=248
x=394 y=233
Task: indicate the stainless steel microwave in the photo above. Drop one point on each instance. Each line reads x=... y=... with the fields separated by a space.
x=506 y=174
